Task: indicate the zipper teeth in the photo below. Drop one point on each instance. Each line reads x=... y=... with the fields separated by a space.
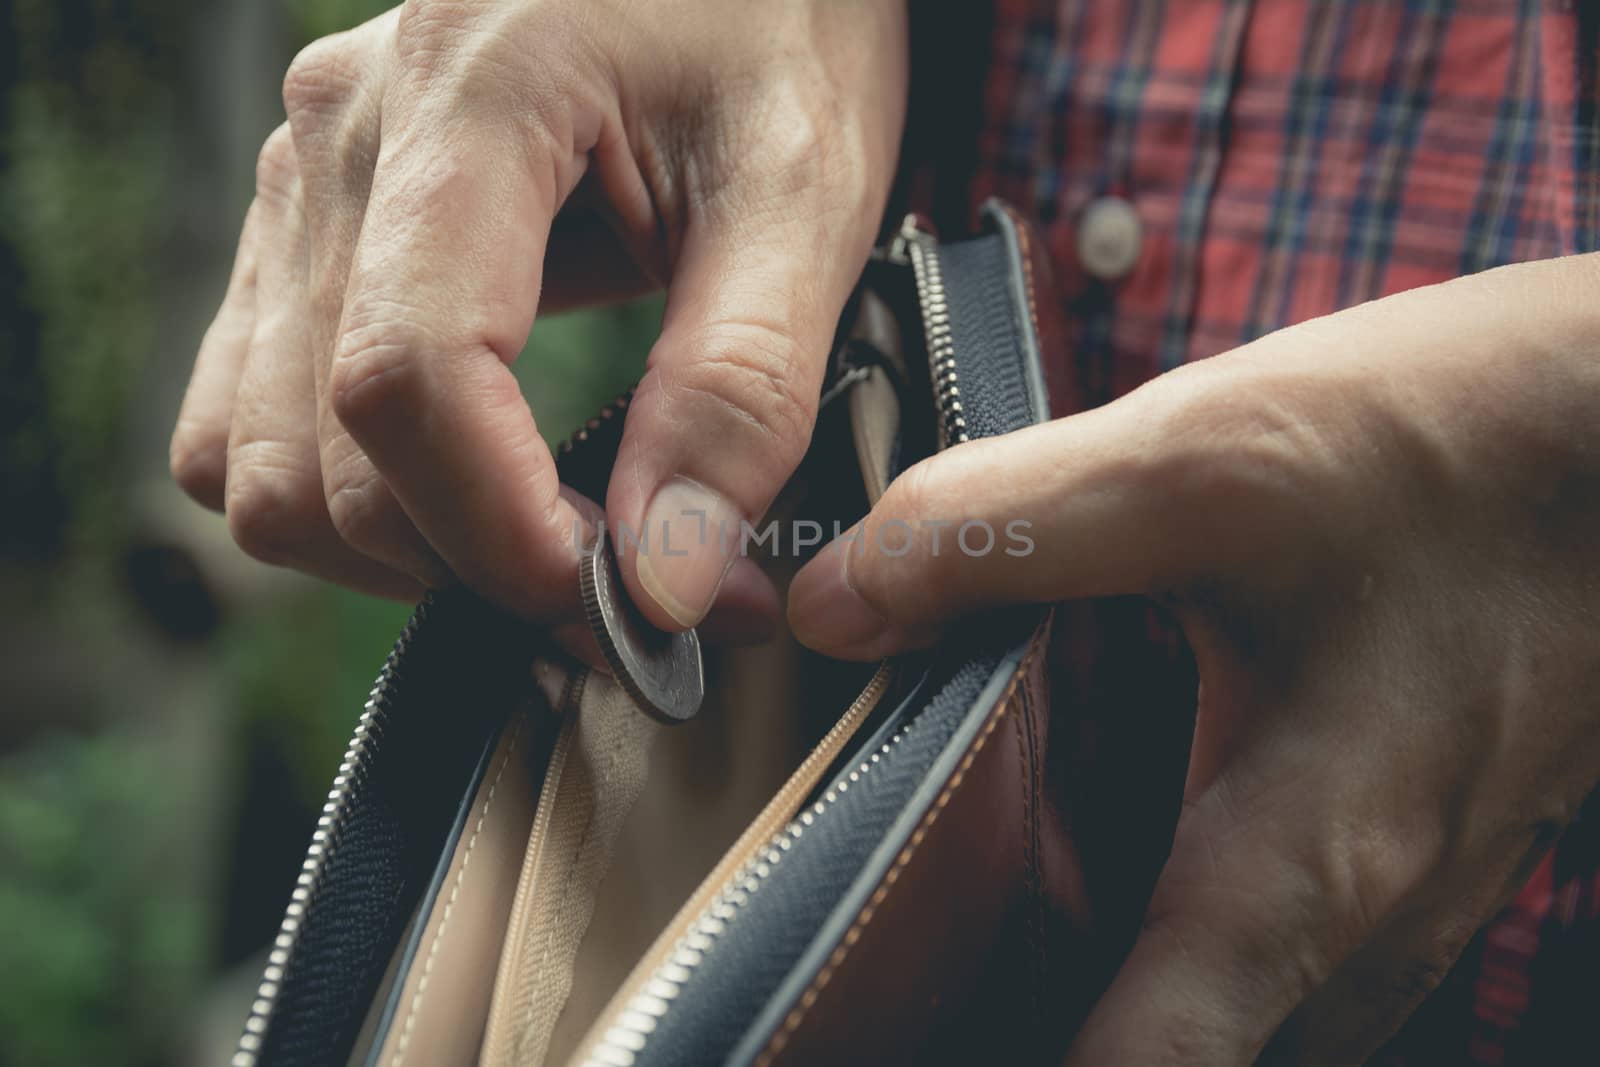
x=593 y=425
x=624 y=1040
x=352 y=772
x=499 y=1044
x=353 y=769
x=628 y=1036
x=922 y=250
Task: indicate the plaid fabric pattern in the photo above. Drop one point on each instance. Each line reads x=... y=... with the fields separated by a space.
x=1288 y=158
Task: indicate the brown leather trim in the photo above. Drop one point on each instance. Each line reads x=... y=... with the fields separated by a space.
x=1049 y=319
x=924 y=936
x=1025 y=245
x=1034 y=703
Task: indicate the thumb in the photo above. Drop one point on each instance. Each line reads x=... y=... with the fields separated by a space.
x=725 y=410
x=1091 y=505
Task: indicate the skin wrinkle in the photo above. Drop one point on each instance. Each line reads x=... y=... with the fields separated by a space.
x=267 y=504
x=763 y=357
x=357 y=507
x=323 y=79
x=626 y=200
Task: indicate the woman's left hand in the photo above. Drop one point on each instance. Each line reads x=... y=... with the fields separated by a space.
x=1381 y=533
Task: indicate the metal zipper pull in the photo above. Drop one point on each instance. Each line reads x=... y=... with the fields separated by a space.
x=897 y=250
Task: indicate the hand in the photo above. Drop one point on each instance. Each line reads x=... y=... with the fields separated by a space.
x=1381 y=533
x=351 y=408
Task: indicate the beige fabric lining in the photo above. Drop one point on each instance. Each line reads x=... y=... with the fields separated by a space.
x=874 y=404
x=875 y=423
x=467 y=926
x=756 y=837
x=595 y=774
x=628 y=821
x=708 y=778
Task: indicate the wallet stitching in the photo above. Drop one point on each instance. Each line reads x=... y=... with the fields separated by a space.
x=813 y=992
x=450 y=904
x=1031 y=765
x=1036 y=912
x=1027 y=269
x=1025 y=780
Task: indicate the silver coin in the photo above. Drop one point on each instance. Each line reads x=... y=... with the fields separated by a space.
x=661 y=671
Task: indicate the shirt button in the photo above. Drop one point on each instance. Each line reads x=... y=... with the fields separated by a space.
x=1109 y=238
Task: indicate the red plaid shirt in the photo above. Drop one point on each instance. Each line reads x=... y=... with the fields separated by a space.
x=1284 y=159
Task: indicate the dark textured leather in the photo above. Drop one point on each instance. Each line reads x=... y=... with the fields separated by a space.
x=463 y=665
x=982 y=314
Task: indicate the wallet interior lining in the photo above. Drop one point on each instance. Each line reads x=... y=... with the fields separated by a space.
x=466 y=926
x=596 y=773
x=756 y=838
x=633 y=825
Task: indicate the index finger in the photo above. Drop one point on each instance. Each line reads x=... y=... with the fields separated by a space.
x=442 y=292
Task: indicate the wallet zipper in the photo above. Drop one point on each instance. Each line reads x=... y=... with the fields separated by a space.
x=581 y=435
x=626 y=1036
x=353 y=768
x=914 y=245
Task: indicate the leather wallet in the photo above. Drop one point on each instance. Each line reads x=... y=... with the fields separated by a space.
x=831 y=863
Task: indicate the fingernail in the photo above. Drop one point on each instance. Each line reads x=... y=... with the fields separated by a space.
x=825 y=609
x=690 y=538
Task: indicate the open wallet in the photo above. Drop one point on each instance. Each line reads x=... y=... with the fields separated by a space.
x=830 y=863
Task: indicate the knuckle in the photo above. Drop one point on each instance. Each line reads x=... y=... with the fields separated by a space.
x=429 y=30
x=753 y=376
x=464 y=64
x=198 y=458
x=272 y=507
x=815 y=158
x=333 y=111
x=1364 y=877
x=361 y=509
x=323 y=78
x=1237 y=447
x=277 y=167
x=797 y=134
x=377 y=376
x=800 y=145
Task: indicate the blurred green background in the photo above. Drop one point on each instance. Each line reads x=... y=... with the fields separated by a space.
x=170 y=712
